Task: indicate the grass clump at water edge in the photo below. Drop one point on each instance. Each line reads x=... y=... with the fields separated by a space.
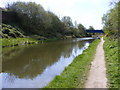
x=16 y=41
x=74 y=76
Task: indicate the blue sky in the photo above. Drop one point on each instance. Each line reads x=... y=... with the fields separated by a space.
x=86 y=12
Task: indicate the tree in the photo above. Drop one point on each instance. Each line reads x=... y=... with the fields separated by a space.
x=67 y=21
x=81 y=29
x=32 y=16
x=110 y=20
x=55 y=27
x=68 y=25
x=35 y=20
x=91 y=28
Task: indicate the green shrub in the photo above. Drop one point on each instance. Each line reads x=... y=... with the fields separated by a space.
x=8 y=31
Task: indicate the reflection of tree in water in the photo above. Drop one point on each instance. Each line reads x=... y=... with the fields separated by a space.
x=10 y=52
x=33 y=60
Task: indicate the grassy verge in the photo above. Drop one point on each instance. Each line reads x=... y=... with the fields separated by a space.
x=13 y=36
x=16 y=41
x=111 y=57
x=22 y=41
x=75 y=74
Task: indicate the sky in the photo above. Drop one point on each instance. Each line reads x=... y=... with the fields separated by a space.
x=85 y=12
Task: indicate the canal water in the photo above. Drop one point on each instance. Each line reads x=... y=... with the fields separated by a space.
x=34 y=66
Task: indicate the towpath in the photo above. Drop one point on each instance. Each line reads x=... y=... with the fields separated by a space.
x=97 y=75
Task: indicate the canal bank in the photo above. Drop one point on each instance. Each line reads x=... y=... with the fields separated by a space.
x=75 y=74
x=14 y=36
x=11 y=42
x=97 y=75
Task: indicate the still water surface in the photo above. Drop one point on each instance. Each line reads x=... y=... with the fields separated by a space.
x=34 y=66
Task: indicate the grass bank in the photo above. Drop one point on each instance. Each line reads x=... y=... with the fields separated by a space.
x=112 y=64
x=10 y=42
x=16 y=41
x=76 y=73
x=14 y=36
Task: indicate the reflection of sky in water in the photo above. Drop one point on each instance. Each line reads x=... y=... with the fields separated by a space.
x=0 y=81
x=81 y=39
x=11 y=81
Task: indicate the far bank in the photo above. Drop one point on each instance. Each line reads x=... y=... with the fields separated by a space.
x=14 y=36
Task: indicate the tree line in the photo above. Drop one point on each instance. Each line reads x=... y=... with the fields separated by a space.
x=35 y=20
x=111 y=20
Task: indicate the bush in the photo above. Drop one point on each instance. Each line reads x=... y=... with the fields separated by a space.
x=8 y=31
x=5 y=31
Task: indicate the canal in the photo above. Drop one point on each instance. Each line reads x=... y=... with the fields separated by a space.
x=34 y=66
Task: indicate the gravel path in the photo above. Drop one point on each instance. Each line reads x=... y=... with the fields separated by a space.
x=97 y=75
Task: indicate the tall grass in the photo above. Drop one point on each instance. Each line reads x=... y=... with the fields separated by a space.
x=111 y=57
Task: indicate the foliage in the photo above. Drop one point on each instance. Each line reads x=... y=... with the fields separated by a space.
x=35 y=22
x=32 y=16
x=81 y=29
x=110 y=21
x=33 y=19
x=91 y=28
x=67 y=21
x=54 y=26
x=69 y=28
x=75 y=74
x=8 y=31
x=112 y=63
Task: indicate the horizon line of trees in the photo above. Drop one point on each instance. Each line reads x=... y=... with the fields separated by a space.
x=34 y=20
